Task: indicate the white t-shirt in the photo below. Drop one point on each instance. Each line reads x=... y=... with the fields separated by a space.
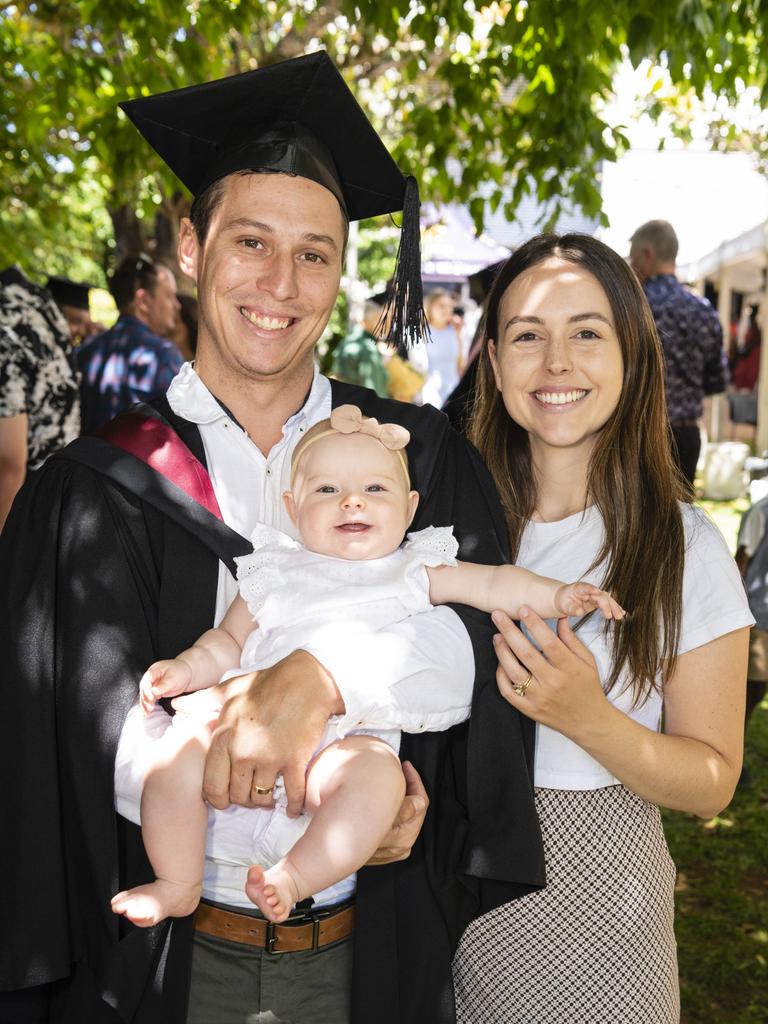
x=714 y=603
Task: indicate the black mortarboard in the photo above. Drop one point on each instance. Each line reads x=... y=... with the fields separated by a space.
x=68 y=293
x=480 y=282
x=296 y=117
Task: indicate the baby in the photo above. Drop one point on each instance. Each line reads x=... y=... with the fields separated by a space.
x=351 y=503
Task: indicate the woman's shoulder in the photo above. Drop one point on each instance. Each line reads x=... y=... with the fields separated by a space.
x=699 y=528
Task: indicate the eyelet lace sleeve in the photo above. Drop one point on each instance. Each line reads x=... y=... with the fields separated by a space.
x=431 y=547
x=261 y=572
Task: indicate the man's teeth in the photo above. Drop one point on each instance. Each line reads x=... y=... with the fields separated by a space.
x=559 y=397
x=267 y=323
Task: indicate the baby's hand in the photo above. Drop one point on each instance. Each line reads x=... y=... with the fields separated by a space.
x=163 y=679
x=580 y=598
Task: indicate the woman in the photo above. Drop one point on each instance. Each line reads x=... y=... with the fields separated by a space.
x=570 y=417
x=439 y=360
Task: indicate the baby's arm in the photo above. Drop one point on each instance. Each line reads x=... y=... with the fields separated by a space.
x=508 y=587
x=201 y=665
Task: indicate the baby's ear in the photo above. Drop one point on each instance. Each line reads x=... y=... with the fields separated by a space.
x=290 y=506
x=413 y=501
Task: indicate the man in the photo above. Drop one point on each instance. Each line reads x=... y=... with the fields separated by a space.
x=72 y=299
x=129 y=574
x=39 y=405
x=134 y=361
x=357 y=359
x=690 y=334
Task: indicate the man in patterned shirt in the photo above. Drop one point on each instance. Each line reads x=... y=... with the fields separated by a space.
x=134 y=361
x=39 y=406
x=691 y=337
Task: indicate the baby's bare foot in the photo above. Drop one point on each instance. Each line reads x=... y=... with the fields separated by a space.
x=150 y=904
x=273 y=891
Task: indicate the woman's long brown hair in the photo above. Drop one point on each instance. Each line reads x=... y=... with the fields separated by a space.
x=632 y=477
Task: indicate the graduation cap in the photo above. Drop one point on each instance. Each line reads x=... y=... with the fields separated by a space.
x=480 y=282
x=68 y=293
x=297 y=117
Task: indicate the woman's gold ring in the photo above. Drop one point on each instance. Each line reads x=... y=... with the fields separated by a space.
x=262 y=790
x=520 y=688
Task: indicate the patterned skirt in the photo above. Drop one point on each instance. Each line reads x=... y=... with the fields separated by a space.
x=597 y=945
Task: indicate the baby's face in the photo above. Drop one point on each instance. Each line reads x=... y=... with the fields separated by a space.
x=350 y=498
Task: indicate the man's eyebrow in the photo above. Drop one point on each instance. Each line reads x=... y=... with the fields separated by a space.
x=309 y=236
x=246 y=222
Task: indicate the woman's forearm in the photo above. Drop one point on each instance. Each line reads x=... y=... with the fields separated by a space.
x=678 y=772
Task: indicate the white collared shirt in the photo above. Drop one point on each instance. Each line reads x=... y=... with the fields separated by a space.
x=415 y=675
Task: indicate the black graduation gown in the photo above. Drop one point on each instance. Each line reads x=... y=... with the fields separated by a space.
x=98 y=581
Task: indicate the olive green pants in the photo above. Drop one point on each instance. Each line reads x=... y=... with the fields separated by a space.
x=237 y=984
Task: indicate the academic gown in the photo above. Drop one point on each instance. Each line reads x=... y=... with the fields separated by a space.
x=100 y=579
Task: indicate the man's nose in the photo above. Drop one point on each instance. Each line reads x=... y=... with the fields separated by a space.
x=278 y=276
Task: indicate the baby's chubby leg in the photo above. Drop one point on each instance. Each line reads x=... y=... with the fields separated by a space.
x=174 y=820
x=354 y=790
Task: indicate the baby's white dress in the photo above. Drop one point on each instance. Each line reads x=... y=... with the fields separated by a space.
x=294 y=595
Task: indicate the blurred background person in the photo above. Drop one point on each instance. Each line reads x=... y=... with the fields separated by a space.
x=691 y=336
x=745 y=368
x=39 y=402
x=357 y=359
x=184 y=335
x=441 y=359
x=72 y=298
x=135 y=360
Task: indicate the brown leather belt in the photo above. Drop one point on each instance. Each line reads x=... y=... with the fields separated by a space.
x=685 y=421
x=318 y=930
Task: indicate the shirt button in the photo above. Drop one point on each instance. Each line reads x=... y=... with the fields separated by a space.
x=269 y=472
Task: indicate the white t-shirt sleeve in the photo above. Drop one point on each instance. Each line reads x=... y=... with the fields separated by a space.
x=714 y=600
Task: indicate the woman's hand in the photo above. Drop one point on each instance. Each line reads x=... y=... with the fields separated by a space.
x=558 y=685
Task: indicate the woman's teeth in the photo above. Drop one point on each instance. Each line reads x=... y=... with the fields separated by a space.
x=559 y=397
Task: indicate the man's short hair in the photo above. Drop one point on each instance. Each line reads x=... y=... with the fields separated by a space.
x=660 y=235
x=131 y=274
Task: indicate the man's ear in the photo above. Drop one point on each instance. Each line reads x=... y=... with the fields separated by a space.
x=139 y=304
x=413 y=501
x=290 y=506
x=188 y=248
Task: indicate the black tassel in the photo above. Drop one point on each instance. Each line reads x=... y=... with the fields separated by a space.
x=403 y=321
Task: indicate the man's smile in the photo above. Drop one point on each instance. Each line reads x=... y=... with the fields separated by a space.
x=265 y=321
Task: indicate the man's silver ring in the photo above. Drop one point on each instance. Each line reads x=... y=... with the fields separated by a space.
x=520 y=688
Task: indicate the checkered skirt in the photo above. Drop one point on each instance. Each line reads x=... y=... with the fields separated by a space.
x=597 y=945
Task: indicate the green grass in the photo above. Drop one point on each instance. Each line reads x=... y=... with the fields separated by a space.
x=722 y=885
x=721 y=899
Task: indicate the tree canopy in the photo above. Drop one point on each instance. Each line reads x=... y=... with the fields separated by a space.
x=483 y=101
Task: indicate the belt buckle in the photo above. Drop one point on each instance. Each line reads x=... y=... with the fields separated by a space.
x=271 y=939
x=315 y=917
